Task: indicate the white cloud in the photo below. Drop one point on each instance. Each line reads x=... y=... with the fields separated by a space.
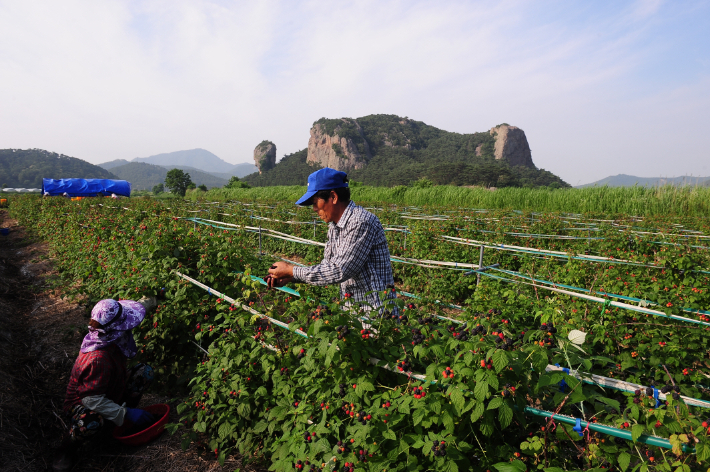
x=112 y=79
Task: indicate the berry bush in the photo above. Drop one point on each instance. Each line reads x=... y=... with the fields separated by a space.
x=415 y=392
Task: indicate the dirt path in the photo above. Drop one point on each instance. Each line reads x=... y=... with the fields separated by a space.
x=40 y=335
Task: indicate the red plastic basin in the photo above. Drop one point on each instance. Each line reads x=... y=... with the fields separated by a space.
x=160 y=410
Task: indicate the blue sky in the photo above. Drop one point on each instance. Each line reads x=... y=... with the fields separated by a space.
x=600 y=88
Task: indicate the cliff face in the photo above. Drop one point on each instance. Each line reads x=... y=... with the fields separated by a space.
x=391 y=150
x=265 y=156
x=341 y=146
x=512 y=146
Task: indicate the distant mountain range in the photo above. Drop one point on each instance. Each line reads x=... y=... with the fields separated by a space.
x=199 y=160
x=115 y=163
x=624 y=180
x=25 y=168
x=144 y=176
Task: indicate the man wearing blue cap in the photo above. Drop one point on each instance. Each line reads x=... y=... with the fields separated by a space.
x=356 y=254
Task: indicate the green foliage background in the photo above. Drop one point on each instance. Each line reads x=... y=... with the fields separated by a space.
x=178 y=182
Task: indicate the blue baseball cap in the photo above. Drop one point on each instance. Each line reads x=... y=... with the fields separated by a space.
x=323 y=179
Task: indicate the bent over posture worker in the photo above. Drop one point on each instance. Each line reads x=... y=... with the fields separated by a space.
x=356 y=255
x=101 y=387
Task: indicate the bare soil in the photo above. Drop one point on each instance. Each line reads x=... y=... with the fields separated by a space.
x=40 y=335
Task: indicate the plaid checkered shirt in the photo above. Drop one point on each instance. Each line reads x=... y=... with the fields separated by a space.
x=356 y=256
x=100 y=372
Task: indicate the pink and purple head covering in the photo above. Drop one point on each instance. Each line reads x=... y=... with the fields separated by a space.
x=118 y=318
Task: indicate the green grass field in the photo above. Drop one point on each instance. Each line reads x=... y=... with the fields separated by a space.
x=681 y=201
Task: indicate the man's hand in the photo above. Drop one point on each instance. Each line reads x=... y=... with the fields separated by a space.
x=280 y=274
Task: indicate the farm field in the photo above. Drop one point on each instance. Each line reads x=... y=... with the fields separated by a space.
x=599 y=319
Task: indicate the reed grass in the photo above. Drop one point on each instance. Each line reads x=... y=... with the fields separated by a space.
x=667 y=200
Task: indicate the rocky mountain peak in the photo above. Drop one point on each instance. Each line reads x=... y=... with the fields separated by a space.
x=512 y=145
x=338 y=144
x=265 y=156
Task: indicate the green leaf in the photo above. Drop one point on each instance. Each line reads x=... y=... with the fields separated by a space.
x=364 y=386
x=224 y=430
x=495 y=403
x=332 y=350
x=403 y=446
x=477 y=412
x=458 y=400
x=321 y=446
x=487 y=426
x=636 y=432
x=515 y=466
x=624 y=460
x=608 y=401
x=634 y=412
x=500 y=360
x=404 y=405
x=261 y=426
x=418 y=415
x=185 y=443
x=450 y=466
x=468 y=358
x=702 y=452
x=481 y=390
x=505 y=415
x=447 y=420
x=172 y=427
x=389 y=434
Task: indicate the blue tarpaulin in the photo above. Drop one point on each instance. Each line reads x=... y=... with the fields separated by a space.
x=85 y=187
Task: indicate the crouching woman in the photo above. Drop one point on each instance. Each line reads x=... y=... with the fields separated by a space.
x=101 y=387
